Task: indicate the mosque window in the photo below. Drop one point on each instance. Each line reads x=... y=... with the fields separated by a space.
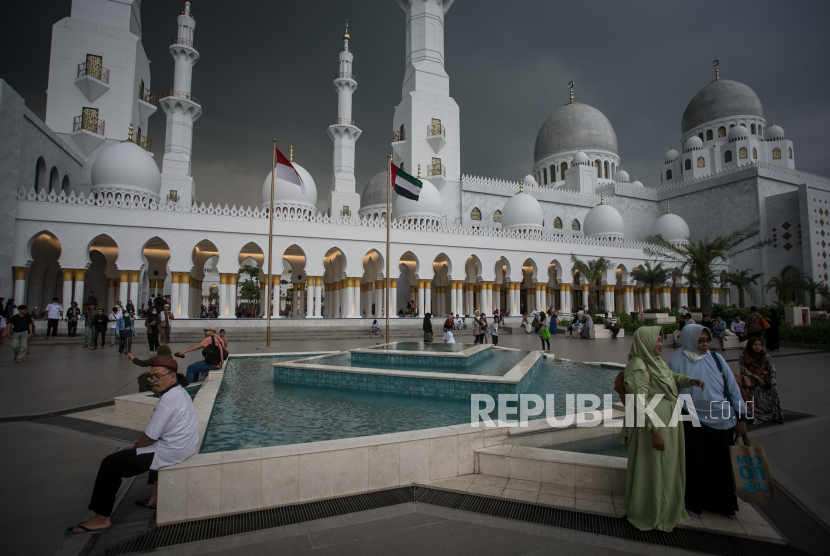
x=497 y=216
x=668 y=174
x=575 y=225
x=790 y=152
x=475 y=214
x=727 y=156
x=605 y=165
x=701 y=162
x=752 y=129
x=688 y=164
x=557 y=223
x=709 y=135
x=742 y=153
x=597 y=165
x=545 y=175
x=754 y=153
x=776 y=153
x=700 y=136
x=721 y=131
x=564 y=167
x=553 y=173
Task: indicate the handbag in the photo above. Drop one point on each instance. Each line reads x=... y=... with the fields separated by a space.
x=765 y=325
x=751 y=475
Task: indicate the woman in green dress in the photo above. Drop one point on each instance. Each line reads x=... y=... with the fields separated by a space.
x=656 y=475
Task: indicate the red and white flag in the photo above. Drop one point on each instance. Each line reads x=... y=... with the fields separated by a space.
x=286 y=171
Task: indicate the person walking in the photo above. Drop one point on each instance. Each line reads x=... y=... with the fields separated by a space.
x=753 y=323
x=113 y=320
x=722 y=414
x=483 y=326
x=758 y=367
x=211 y=351
x=100 y=322
x=544 y=333
x=772 y=332
x=494 y=330
x=151 y=323
x=20 y=329
x=165 y=324
x=89 y=326
x=8 y=311
x=54 y=314
x=73 y=315
x=656 y=472
x=125 y=328
x=476 y=329
x=428 y=336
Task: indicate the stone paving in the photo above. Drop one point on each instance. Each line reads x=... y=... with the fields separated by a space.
x=49 y=470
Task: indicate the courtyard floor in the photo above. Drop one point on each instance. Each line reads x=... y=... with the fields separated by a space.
x=49 y=469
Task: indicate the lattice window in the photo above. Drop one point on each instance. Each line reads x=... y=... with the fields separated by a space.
x=688 y=164
x=721 y=131
x=701 y=162
x=776 y=153
x=742 y=153
x=727 y=156
x=754 y=153
x=709 y=135
x=497 y=216
x=93 y=66
x=575 y=225
x=790 y=153
x=564 y=167
x=557 y=223
x=475 y=214
x=752 y=129
x=89 y=120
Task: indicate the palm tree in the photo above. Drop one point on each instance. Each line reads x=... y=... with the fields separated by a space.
x=701 y=258
x=782 y=283
x=744 y=281
x=592 y=272
x=651 y=277
x=810 y=286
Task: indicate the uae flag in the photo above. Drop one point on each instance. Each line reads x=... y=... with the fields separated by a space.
x=404 y=184
x=286 y=171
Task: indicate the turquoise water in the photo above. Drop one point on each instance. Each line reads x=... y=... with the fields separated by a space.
x=497 y=363
x=422 y=346
x=251 y=410
x=608 y=445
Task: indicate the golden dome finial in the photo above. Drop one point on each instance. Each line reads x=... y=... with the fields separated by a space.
x=571 y=89
x=291 y=154
x=601 y=198
x=668 y=208
x=716 y=63
x=346 y=34
x=130 y=136
x=521 y=186
x=419 y=170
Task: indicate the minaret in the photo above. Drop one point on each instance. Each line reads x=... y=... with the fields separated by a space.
x=182 y=109
x=426 y=126
x=344 y=131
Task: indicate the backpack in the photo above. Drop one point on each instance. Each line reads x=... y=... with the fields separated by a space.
x=212 y=354
x=619 y=381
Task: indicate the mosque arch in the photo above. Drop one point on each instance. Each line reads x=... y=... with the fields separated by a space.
x=668 y=174
x=497 y=216
x=557 y=223
x=727 y=156
x=475 y=214
x=722 y=131
x=202 y=251
x=754 y=153
x=553 y=173
x=709 y=135
x=102 y=255
x=65 y=187
x=688 y=164
x=156 y=255
x=545 y=175
x=790 y=153
x=776 y=153
x=605 y=166
x=700 y=136
x=701 y=162
x=742 y=153
x=54 y=180
x=563 y=168
x=43 y=281
x=41 y=179
x=752 y=129
x=598 y=166
x=253 y=251
x=575 y=225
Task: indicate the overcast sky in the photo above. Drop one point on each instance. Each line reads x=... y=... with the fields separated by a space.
x=266 y=72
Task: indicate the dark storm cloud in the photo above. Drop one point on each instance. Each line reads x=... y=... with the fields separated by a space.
x=267 y=67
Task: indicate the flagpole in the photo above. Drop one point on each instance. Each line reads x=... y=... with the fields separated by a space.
x=270 y=243
x=388 y=218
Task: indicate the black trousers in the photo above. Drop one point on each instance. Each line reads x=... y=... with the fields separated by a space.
x=708 y=470
x=52 y=326
x=495 y=340
x=153 y=338
x=114 y=467
x=545 y=343
x=72 y=327
x=103 y=334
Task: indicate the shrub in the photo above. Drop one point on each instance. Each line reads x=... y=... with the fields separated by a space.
x=817 y=333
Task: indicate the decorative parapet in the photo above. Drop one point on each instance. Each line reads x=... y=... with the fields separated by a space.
x=528 y=187
x=142 y=202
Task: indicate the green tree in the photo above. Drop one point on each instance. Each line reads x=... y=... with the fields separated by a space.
x=652 y=277
x=592 y=272
x=782 y=283
x=700 y=259
x=249 y=287
x=744 y=281
x=813 y=288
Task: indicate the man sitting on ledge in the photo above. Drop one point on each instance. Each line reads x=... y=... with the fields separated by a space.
x=171 y=436
x=214 y=355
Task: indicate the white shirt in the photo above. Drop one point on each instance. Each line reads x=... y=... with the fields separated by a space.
x=162 y=316
x=113 y=318
x=175 y=428
x=448 y=337
x=53 y=311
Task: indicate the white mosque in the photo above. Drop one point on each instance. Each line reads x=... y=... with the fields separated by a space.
x=86 y=207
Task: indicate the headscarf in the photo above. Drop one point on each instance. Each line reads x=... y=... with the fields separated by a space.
x=428 y=322
x=709 y=402
x=645 y=338
x=755 y=362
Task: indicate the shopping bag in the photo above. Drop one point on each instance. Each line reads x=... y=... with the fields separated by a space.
x=751 y=476
x=765 y=324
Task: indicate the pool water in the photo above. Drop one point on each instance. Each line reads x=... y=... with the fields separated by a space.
x=252 y=410
x=423 y=346
x=495 y=363
x=608 y=445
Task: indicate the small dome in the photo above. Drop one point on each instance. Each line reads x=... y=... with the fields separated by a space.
x=637 y=183
x=572 y=127
x=671 y=156
x=286 y=193
x=374 y=192
x=774 y=133
x=672 y=227
x=604 y=222
x=429 y=204
x=722 y=98
x=581 y=158
x=530 y=180
x=522 y=211
x=737 y=132
x=622 y=176
x=127 y=167
x=693 y=143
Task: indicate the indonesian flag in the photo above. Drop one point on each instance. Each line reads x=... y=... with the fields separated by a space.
x=286 y=171
x=403 y=184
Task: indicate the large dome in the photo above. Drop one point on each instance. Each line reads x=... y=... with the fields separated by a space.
x=575 y=126
x=286 y=193
x=604 y=222
x=522 y=211
x=126 y=166
x=672 y=227
x=721 y=98
x=374 y=192
x=429 y=204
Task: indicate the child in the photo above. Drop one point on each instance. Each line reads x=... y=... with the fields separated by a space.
x=448 y=337
x=494 y=330
x=579 y=331
x=374 y=328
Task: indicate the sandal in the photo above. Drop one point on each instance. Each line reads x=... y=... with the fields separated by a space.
x=84 y=530
x=143 y=504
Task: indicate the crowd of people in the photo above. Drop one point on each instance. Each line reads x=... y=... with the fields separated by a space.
x=755 y=326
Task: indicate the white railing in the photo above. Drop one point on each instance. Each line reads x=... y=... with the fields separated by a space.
x=527 y=187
